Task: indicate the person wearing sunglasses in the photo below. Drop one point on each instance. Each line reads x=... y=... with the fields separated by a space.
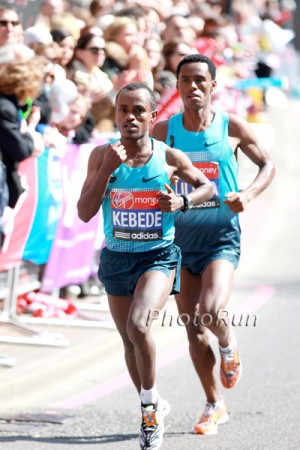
x=10 y=25
x=89 y=57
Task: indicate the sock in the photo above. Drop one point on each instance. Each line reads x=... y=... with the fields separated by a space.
x=231 y=345
x=149 y=395
x=219 y=403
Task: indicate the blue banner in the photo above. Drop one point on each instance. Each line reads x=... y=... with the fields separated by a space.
x=48 y=210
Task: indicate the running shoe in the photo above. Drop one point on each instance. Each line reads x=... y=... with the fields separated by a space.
x=152 y=427
x=230 y=368
x=214 y=415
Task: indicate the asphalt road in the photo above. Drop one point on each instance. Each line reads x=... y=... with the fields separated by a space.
x=80 y=398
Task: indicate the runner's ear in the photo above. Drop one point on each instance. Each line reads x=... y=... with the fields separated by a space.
x=213 y=85
x=153 y=116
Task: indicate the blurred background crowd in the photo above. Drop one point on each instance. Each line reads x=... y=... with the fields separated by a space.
x=63 y=61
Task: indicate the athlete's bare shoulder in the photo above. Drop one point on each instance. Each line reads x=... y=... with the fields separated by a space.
x=238 y=127
x=96 y=156
x=160 y=130
x=177 y=159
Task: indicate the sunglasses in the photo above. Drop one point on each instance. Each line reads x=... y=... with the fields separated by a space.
x=4 y=23
x=95 y=50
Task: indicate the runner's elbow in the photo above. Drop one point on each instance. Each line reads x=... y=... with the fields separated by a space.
x=83 y=213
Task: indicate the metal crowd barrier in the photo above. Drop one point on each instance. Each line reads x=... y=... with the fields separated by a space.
x=15 y=282
x=24 y=278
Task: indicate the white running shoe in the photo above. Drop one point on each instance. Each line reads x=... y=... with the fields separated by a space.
x=152 y=427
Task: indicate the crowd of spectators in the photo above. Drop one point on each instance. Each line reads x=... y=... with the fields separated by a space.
x=59 y=77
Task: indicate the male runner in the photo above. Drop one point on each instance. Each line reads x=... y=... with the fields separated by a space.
x=209 y=235
x=140 y=265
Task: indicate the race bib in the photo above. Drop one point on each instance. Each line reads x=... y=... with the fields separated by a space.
x=136 y=215
x=211 y=171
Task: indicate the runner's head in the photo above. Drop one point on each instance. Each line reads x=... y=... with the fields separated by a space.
x=198 y=58
x=135 y=110
x=196 y=81
x=136 y=86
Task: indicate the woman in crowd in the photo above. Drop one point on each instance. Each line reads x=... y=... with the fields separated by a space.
x=91 y=81
x=20 y=84
x=126 y=60
x=174 y=51
x=66 y=42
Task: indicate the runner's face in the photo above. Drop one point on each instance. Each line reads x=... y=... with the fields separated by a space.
x=195 y=85
x=133 y=113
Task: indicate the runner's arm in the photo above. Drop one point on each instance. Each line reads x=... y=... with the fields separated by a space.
x=247 y=141
x=183 y=167
x=102 y=162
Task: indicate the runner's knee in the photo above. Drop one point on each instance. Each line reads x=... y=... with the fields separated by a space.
x=137 y=330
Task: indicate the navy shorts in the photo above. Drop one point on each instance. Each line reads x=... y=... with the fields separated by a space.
x=120 y=271
x=197 y=262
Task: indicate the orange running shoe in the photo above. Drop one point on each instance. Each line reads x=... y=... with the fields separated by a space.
x=230 y=368
x=214 y=415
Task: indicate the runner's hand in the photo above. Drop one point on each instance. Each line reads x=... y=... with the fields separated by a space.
x=114 y=155
x=236 y=201
x=169 y=201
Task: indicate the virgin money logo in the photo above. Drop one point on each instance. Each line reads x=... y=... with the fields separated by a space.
x=123 y=200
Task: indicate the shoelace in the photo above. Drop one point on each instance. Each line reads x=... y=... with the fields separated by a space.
x=149 y=418
x=228 y=360
x=207 y=413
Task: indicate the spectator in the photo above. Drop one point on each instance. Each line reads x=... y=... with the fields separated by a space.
x=94 y=29
x=49 y=10
x=91 y=81
x=146 y=18
x=19 y=84
x=178 y=26
x=68 y=22
x=153 y=46
x=126 y=58
x=74 y=118
x=66 y=42
x=52 y=52
x=10 y=25
x=174 y=51
x=101 y=11
x=43 y=100
x=70 y=112
x=33 y=36
x=13 y=52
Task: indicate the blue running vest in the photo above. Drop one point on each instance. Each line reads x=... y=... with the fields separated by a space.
x=212 y=225
x=133 y=221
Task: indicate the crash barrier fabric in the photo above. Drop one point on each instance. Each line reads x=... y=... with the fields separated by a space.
x=44 y=227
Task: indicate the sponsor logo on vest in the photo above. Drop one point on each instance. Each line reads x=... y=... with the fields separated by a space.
x=123 y=200
x=137 y=235
x=145 y=180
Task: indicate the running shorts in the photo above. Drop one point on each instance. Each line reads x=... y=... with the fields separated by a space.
x=196 y=262
x=119 y=271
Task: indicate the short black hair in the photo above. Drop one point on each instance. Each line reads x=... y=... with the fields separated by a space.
x=135 y=87
x=197 y=57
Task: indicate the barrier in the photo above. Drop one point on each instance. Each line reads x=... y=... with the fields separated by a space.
x=8 y=315
x=71 y=243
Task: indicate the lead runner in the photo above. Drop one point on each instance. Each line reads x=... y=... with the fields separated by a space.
x=140 y=265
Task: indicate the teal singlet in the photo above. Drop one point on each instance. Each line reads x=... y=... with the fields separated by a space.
x=133 y=221
x=211 y=226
